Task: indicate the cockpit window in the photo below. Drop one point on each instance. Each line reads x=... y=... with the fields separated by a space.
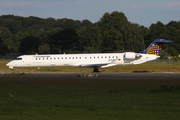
x=18 y=59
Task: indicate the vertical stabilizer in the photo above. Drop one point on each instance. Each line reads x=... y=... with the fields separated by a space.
x=155 y=47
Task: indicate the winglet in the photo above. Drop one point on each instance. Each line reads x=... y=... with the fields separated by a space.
x=155 y=47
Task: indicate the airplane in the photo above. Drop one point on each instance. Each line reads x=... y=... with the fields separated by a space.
x=93 y=60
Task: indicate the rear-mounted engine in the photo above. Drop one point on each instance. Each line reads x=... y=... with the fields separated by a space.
x=132 y=55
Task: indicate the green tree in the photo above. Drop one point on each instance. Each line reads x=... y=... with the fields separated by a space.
x=90 y=39
x=86 y=23
x=17 y=40
x=6 y=36
x=3 y=47
x=174 y=24
x=157 y=30
x=44 y=49
x=116 y=20
x=69 y=39
x=119 y=34
x=133 y=38
x=54 y=41
x=62 y=40
x=174 y=35
x=119 y=42
x=169 y=31
x=108 y=44
x=172 y=51
x=29 y=45
x=67 y=23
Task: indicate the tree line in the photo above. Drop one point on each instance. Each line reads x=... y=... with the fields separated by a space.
x=112 y=33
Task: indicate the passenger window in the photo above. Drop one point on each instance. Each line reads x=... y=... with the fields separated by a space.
x=36 y=58
x=43 y=58
x=79 y=57
x=90 y=57
x=47 y=58
x=76 y=57
x=109 y=57
x=105 y=57
x=39 y=58
x=51 y=58
x=65 y=57
x=101 y=56
x=69 y=57
x=85 y=57
x=62 y=58
x=72 y=57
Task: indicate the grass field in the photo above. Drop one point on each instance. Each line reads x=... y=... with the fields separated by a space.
x=88 y=99
x=146 y=67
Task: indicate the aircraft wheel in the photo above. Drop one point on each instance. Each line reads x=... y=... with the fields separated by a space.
x=16 y=69
x=96 y=70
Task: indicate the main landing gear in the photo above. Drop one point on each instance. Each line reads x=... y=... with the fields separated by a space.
x=16 y=69
x=96 y=69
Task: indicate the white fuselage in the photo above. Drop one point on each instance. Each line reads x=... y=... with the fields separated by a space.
x=99 y=60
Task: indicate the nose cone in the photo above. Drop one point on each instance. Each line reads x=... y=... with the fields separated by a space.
x=10 y=65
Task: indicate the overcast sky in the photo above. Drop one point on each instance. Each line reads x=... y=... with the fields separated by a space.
x=143 y=12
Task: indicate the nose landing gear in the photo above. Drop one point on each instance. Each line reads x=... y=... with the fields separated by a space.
x=16 y=69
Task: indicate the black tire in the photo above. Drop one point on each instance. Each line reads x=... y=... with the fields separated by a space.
x=96 y=70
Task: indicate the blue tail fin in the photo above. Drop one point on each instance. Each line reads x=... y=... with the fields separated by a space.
x=155 y=47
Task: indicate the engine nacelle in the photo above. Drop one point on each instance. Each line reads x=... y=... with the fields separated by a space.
x=132 y=55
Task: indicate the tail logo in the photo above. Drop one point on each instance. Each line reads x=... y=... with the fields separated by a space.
x=154 y=49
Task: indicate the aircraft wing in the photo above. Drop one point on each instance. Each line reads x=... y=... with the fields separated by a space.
x=100 y=65
x=94 y=65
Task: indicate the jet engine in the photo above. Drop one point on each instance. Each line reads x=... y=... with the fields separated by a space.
x=132 y=55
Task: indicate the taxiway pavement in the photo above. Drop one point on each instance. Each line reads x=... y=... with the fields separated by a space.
x=99 y=75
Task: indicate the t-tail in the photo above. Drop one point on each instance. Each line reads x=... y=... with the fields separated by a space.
x=155 y=47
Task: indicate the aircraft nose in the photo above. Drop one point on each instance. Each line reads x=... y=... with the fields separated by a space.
x=7 y=64
x=10 y=65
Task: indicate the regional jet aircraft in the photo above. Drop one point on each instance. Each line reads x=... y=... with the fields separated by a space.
x=93 y=60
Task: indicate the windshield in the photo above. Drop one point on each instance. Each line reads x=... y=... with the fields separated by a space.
x=18 y=59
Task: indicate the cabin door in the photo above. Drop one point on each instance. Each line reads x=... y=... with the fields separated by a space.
x=28 y=60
